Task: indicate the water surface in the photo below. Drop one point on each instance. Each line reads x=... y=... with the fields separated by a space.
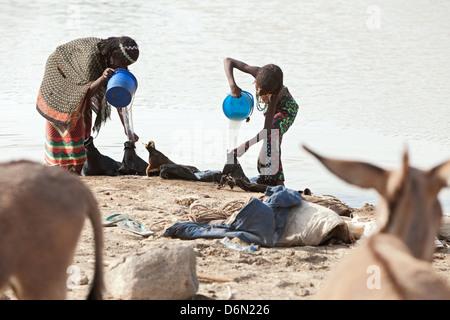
x=371 y=78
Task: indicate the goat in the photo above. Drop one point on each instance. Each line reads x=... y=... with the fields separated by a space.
x=132 y=164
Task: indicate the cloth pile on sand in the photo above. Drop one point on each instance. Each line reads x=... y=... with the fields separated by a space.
x=282 y=219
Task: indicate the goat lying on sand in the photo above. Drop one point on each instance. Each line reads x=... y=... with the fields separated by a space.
x=396 y=262
x=42 y=212
x=160 y=164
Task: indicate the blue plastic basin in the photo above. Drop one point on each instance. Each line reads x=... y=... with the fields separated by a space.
x=121 y=88
x=238 y=108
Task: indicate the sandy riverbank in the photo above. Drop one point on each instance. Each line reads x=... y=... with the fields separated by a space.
x=269 y=273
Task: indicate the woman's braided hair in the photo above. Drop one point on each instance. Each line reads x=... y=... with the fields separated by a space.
x=111 y=45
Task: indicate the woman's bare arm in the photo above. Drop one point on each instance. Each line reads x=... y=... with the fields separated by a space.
x=99 y=83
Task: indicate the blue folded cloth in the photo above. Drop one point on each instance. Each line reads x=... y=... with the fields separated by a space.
x=258 y=222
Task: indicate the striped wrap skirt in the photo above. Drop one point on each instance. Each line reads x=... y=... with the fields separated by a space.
x=64 y=145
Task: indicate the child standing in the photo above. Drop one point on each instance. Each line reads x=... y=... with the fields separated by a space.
x=280 y=110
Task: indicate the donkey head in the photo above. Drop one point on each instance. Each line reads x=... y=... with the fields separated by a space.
x=409 y=207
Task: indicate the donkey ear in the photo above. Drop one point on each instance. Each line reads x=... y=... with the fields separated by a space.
x=361 y=174
x=442 y=174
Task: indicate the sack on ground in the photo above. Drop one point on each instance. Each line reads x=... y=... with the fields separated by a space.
x=312 y=224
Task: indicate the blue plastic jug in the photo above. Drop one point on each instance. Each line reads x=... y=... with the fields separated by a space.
x=238 y=108
x=121 y=88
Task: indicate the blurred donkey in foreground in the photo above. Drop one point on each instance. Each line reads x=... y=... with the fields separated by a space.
x=42 y=212
x=396 y=262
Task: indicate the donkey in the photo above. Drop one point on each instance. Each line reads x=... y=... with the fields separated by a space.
x=395 y=263
x=42 y=212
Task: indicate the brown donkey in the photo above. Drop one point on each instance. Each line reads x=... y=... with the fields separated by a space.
x=396 y=262
x=42 y=212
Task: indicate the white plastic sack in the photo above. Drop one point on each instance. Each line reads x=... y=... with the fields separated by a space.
x=444 y=229
x=310 y=224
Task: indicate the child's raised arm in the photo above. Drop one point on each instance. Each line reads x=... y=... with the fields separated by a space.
x=229 y=65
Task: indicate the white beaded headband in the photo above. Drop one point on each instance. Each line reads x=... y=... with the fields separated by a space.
x=122 y=48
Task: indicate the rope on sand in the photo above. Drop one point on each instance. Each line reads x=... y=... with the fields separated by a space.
x=201 y=213
x=329 y=197
x=331 y=202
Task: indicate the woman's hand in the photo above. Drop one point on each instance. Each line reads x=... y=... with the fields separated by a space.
x=99 y=83
x=135 y=136
x=107 y=74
